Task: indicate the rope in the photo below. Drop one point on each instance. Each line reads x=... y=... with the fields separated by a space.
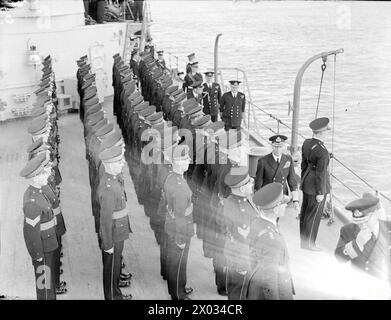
x=323 y=68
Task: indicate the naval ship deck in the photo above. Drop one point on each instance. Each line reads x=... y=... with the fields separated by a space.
x=313 y=278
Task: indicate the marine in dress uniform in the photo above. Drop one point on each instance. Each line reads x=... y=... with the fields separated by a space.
x=270 y=277
x=239 y=214
x=278 y=167
x=232 y=106
x=179 y=225
x=114 y=221
x=315 y=183
x=365 y=242
x=211 y=96
x=39 y=228
x=192 y=78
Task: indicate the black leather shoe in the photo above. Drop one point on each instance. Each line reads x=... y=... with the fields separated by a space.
x=188 y=290
x=61 y=290
x=127 y=296
x=124 y=283
x=62 y=284
x=125 y=275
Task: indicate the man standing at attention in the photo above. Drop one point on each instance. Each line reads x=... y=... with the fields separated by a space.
x=315 y=182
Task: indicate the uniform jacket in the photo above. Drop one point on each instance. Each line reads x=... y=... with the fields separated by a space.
x=238 y=213
x=179 y=221
x=212 y=97
x=268 y=171
x=315 y=177
x=37 y=210
x=375 y=259
x=270 y=277
x=112 y=197
x=231 y=108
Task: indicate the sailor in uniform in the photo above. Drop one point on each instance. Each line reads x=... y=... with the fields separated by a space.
x=278 y=167
x=270 y=277
x=238 y=214
x=366 y=240
x=114 y=221
x=232 y=106
x=39 y=228
x=211 y=96
x=315 y=182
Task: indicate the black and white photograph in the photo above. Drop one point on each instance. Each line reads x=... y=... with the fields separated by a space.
x=219 y=151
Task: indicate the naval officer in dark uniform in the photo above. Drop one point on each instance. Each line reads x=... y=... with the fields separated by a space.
x=366 y=240
x=238 y=214
x=232 y=106
x=278 y=167
x=270 y=277
x=211 y=96
x=315 y=182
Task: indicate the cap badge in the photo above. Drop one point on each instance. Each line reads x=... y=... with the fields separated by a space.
x=278 y=139
x=356 y=214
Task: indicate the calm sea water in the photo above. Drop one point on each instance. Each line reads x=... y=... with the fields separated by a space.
x=271 y=40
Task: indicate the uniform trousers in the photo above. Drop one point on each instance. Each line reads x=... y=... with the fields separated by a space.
x=235 y=283
x=112 y=271
x=310 y=215
x=45 y=277
x=176 y=268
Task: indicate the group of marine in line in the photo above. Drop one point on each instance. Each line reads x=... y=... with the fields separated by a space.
x=191 y=175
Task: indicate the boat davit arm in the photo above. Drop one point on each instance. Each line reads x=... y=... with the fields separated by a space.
x=296 y=95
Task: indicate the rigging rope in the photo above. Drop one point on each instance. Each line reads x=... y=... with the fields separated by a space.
x=323 y=68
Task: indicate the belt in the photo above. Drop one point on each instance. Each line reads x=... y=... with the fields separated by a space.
x=120 y=214
x=47 y=225
x=57 y=211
